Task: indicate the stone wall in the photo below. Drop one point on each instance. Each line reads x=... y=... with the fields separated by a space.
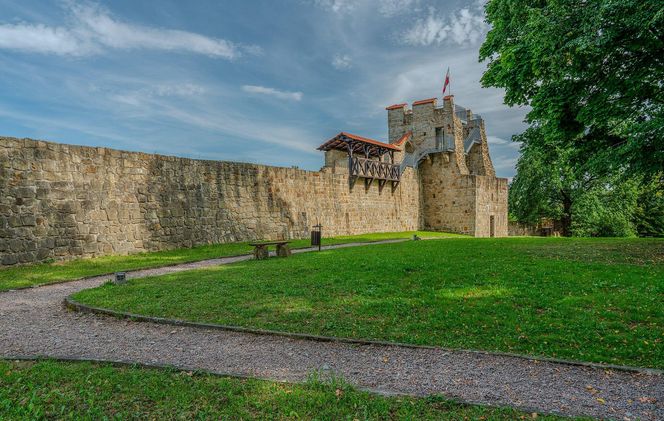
x=448 y=197
x=62 y=201
x=462 y=203
x=478 y=159
x=490 y=206
x=517 y=229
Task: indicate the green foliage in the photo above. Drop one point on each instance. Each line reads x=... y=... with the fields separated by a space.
x=590 y=71
x=649 y=213
x=55 y=390
x=607 y=211
x=583 y=299
x=45 y=273
x=548 y=186
x=592 y=74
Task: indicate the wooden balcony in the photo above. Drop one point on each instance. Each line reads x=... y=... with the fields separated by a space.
x=371 y=169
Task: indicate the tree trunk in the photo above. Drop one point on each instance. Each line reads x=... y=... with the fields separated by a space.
x=566 y=220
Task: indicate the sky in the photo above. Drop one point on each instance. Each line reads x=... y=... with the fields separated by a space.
x=251 y=81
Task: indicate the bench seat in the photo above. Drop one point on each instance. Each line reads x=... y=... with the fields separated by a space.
x=261 y=249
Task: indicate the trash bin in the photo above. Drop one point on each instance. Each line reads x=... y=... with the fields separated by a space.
x=316 y=236
x=120 y=278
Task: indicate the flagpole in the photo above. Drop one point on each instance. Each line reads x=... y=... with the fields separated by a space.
x=447 y=82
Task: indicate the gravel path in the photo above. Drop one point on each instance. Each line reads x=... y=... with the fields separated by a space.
x=33 y=322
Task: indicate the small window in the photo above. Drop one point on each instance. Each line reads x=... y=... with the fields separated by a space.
x=409 y=148
x=439 y=137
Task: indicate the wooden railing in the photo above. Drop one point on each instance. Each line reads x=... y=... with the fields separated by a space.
x=371 y=169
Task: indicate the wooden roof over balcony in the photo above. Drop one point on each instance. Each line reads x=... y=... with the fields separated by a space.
x=357 y=144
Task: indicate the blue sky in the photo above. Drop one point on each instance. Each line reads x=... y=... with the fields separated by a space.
x=252 y=81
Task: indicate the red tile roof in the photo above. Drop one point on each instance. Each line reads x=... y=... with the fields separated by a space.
x=403 y=139
x=424 y=101
x=395 y=106
x=367 y=140
x=448 y=97
x=339 y=141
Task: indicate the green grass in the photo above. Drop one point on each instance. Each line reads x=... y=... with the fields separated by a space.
x=596 y=300
x=28 y=275
x=56 y=390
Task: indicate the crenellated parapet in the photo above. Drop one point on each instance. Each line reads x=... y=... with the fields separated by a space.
x=459 y=190
x=446 y=128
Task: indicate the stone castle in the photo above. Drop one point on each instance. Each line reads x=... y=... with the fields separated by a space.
x=446 y=148
x=434 y=172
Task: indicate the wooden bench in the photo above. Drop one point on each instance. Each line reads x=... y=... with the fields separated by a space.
x=261 y=251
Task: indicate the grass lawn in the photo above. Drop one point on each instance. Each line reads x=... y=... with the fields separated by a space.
x=27 y=275
x=56 y=390
x=594 y=300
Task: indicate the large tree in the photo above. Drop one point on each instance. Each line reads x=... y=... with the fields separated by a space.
x=548 y=186
x=592 y=72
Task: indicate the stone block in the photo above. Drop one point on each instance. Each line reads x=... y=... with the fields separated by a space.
x=28 y=220
x=25 y=192
x=27 y=257
x=43 y=254
x=14 y=221
x=9 y=259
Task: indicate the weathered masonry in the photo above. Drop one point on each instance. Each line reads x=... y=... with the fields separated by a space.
x=63 y=201
x=447 y=149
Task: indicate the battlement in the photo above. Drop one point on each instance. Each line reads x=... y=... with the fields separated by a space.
x=446 y=147
x=446 y=128
x=426 y=128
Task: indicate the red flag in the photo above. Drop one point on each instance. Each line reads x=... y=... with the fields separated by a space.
x=447 y=80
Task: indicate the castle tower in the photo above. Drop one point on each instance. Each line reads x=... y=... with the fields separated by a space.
x=458 y=187
x=445 y=147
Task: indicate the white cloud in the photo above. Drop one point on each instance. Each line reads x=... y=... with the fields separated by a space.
x=240 y=126
x=294 y=96
x=504 y=163
x=466 y=26
x=389 y=8
x=342 y=61
x=139 y=97
x=184 y=89
x=41 y=39
x=92 y=29
x=494 y=140
x=337 y=6
x=48 y=125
